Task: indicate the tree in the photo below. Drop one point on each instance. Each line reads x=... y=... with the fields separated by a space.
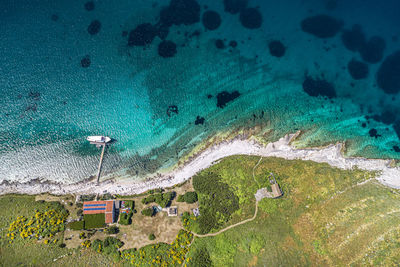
x=181 y=198
x=152 y=236
x=148 y=212
x=79 y=212
x=112 y=230
x=190 y=197
x=201 y=258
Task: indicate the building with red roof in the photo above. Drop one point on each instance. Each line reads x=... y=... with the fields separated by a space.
x=95 y=207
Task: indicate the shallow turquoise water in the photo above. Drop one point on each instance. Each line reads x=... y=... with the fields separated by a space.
x=50 y=103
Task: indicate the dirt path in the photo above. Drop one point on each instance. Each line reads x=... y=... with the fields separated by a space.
x=231 y=226
x=239 y=223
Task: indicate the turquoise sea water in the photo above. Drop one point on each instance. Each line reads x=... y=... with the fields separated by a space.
x=50 y=103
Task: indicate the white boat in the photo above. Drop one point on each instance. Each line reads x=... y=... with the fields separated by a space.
x=98 y=139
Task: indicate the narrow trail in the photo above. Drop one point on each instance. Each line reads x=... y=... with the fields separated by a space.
x=231 y=226
x=239 y=223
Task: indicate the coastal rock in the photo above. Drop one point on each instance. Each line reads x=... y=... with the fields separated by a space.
x=199 y=120
x=388 y=76
x=142 y=35
x=172 y=109
x=219 y=44
x=85 y=61
x=321 y=26
x=167 y=49
x=94 y=27
x=372 y=51
x=276 y=49
x=234 y=6
x=89 y=6
x=354 y=39
x=225 y=97
x=211 y=20
x=250 y=18
x=179 y=12
x=318 y=87
x=357 y=69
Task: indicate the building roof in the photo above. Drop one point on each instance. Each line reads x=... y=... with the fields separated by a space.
x=96 y=207
x=172 y=211
x=276 y=191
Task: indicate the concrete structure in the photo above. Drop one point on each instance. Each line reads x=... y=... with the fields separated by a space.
x=276 y=191
x=96 y=207
x=172 y=211
x=196 y=212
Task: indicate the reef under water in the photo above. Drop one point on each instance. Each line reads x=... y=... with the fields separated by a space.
x=161 y=77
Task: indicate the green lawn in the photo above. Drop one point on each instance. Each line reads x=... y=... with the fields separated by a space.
x=93 y=221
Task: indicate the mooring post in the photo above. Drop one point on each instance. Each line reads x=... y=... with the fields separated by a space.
x=100 y=163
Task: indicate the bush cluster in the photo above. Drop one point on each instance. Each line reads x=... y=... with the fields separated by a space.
x=41 y=225
x=148 y=212
x=162 y=199
x=152 y=236
x=161 y=254
x=76 y=225
x=217 y=201
x=188 y=197
x=112 y=230
x=125 y=218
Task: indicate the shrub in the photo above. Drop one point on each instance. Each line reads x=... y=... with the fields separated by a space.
x=190 y=197
x=201 y=258
x=82 y=235
x=62 y=245
x=162 y=199
x=77 y=225
x=112 y=230
x=94 y=220
x=181 y=198
x=148 y=212
x=79 y=205
x=215 y=210
x=88 y=197
x=125 y=219
x=79 y=212
x=152 y=236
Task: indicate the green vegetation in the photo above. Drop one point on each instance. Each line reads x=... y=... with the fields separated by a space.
x=152 y=236
x=201 y=258
x=125 y=218
x=217 y=201
x=90 y=197
x=148 y=212
x=326 y=217
x=34 y=252
x=188 y=197
x=76 y=225
x=93 y=221
x=162 y=199
x=40 y=225
x=112 y=230
x=160 y=254
x=110 y=246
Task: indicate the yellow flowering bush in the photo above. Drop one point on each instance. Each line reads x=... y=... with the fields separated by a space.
x=40 y=225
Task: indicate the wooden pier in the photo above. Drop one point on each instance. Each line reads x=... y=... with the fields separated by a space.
x=101 y=162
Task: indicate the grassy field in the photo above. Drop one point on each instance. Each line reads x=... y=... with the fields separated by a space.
x=30 y=252
x=327 y=217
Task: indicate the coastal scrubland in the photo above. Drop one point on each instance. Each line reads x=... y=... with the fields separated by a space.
x=326 y=216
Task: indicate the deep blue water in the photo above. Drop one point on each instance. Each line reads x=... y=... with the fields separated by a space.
x=163 y=88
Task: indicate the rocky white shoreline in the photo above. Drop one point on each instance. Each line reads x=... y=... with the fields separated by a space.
x=389 y=176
